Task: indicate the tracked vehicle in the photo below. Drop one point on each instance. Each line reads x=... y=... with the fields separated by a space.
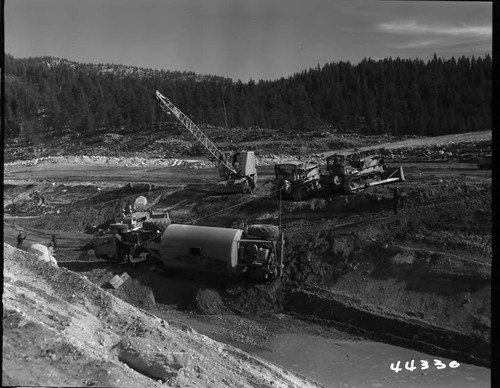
x=349 y=172
x=255 y=252
x=237 y=170
x=297 y=180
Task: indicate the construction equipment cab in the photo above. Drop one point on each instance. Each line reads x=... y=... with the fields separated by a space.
x=238 y=170
x=350 y=163
x=297 y=180
x=243 y=175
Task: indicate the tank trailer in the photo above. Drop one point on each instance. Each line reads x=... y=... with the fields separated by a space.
x=255 y=252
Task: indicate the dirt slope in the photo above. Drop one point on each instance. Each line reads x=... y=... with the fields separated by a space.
x=61 y=329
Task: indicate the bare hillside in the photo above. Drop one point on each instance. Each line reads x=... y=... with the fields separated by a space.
x=61 y=329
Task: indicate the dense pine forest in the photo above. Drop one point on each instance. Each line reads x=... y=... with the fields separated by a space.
x=53 y=96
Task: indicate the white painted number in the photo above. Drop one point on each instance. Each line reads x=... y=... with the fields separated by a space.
x=410 y=365
x=396 y=368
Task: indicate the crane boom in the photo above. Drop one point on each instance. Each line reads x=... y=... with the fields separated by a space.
x=168 y=107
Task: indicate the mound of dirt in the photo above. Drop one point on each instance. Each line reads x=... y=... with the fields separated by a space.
x=209 y=302
x=255 y=299
x=61 y=329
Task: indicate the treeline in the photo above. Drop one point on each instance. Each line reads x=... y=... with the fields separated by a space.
x=399 y=96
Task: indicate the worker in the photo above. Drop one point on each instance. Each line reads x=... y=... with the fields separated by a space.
x=251 y=183
x=395 y=200
x=20 y=240
x=52 y=244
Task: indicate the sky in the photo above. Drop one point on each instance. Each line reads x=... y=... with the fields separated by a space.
x=245 y=39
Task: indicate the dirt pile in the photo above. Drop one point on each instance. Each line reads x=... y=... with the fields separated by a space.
x=209 y=302
x=61 y=329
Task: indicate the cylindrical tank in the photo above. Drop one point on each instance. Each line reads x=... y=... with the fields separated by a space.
x=200 y=247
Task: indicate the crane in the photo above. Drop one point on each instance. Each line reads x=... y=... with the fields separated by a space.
x=239 y=171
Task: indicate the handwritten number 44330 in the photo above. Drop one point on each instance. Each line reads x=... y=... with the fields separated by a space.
x=410 y=365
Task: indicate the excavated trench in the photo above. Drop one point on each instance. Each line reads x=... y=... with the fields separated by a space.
x=431 y=302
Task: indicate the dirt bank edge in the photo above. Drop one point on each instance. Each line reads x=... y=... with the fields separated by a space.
x=407 y=332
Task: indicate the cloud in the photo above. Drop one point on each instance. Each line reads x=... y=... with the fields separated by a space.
x=414 y=28
x=417 y=44
x=444 y=44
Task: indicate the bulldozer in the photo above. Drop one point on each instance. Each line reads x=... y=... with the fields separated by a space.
x=134 y=234
x=347 y=169
x=349 y=172
x=297 y=180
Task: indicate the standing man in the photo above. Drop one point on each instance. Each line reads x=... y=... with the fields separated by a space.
x=20 y=239
x=395 y=200
x=52 y=244
x=251 y=183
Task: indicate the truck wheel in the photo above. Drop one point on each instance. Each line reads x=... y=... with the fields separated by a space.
x=156 y=223
x=337 y=181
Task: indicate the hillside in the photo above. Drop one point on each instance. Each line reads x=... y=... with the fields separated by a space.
x=61 y=329
x=48 y=98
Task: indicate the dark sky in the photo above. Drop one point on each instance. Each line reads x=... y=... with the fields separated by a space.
x=243 y=39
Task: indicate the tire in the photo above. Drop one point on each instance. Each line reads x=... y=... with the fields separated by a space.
x=337 y=181
x=156 y=223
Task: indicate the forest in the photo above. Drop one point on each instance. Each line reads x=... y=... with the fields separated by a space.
x=50 y=96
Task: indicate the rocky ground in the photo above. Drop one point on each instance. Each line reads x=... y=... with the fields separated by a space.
x=59 y=328
x=419 y=279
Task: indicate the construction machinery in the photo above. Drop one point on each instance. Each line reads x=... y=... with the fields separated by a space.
x=237 y=170
x=297 y=180
x=214 y=250
x=347 y=172
x=255 y=252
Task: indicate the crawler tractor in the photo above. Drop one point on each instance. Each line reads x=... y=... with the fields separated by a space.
x=297 y=180
x=347 y=172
